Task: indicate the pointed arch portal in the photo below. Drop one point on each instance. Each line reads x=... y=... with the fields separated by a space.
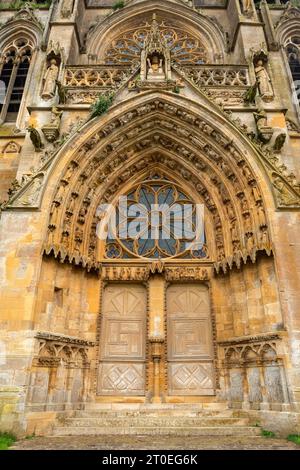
x=162 y=306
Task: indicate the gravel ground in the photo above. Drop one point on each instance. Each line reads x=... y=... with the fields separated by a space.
x=153 y=443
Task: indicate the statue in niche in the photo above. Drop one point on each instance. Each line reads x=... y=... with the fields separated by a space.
x=54 y=213
x=263 y=79
x=155 y=68
x=155 y=56
x=49 y=80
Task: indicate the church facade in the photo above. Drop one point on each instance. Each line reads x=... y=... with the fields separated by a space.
x=133 y=112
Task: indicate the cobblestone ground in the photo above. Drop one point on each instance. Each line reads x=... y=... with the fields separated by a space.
x=153 y=443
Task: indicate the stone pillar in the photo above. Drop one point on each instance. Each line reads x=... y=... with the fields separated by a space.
x=156 y=355
x=265 y=404
x=69 y=383
x=156 y=333
x=246 y=403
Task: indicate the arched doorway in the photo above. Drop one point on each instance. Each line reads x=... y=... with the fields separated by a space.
x=156 y=326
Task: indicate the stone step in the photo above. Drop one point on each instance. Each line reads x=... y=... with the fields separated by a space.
x=143 y=421
x=154 y=407
x=247 y=431
x=150 y=413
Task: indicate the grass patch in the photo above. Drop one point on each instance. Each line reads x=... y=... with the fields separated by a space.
x=294 y=438
x=266 y=433
x=6 y=440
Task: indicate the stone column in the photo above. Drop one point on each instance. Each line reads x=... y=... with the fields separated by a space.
x=69 y=383
x=156 y=355
x=156 y=333
x=265 y=404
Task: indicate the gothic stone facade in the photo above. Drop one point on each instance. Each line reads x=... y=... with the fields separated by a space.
x=203 y=105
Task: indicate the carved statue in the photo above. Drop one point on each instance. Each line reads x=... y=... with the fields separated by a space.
x=35 y=138
x=66 y=8
x=265 y=132
x=263 y=81
x=279 y=142
x=155 y=70
x=54 y=214
x=49 y=80
x=261 y=216
x=246 y=6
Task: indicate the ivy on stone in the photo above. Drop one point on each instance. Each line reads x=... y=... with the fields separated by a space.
x=101 y=105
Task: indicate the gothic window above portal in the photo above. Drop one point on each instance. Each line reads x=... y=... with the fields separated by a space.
x=15 y=61
x=156 y=219
x=293 y=54
x=185 y=49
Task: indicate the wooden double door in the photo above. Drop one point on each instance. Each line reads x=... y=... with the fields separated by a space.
x=187 y=340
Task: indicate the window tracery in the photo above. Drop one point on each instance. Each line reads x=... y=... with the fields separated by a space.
x=185 y=49
x=159 y=221
x=15 y=61
x=293 y=54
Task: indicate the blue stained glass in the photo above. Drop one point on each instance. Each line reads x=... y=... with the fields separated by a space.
x=150 y=230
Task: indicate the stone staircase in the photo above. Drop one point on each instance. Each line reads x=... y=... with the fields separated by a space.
x=152 y=419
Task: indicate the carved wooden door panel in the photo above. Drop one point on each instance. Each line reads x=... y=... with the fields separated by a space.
x=190 y=352
x=122 y=343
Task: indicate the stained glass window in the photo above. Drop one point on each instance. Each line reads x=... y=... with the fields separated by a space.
x=156 y=219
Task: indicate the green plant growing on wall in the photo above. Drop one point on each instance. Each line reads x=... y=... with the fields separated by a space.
x=266 y=433
x=101 y=105
x=118 y=5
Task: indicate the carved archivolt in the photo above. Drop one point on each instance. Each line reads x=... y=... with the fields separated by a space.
x=159 y=135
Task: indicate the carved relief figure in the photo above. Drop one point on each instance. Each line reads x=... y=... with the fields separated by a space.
x=49 y=80
x=31 y=196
